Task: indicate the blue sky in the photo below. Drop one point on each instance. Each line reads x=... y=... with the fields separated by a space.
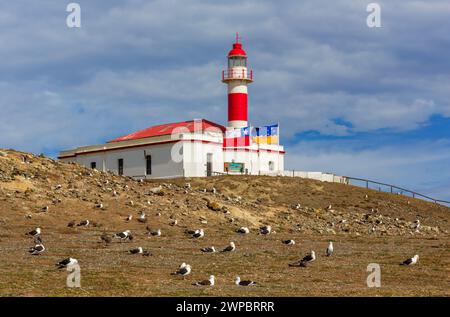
x=353 y=100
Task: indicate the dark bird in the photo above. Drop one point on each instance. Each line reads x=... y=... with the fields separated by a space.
x=411 y=261
x=208 y=282
x=83 y=223
x=244 y=283
x=183 y=270
x=138 y=250
x=265 y=230
x=71 y=224
x=198 y=234
x=126 y=235
x=310 y=257
x=208 y=250
x=66 y=262
x=288 y=242
x=230 y=248
x=37 y=249
x=35 y=232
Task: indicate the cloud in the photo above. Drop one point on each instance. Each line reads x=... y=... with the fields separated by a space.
x=317 y=67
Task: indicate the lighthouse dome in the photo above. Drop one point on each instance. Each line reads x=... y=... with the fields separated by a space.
x=237 y=50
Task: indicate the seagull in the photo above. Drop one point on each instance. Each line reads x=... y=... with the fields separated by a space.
x=83 y=223
x=138 y=250
x=288 y=242
x=35 y=232
x=243 y=230
x=142 y=217
x=416 y=225
x=66 y=262
x=37 y=249
x=183 y=270
x=174 y=222
x=411 y=261
x=187 y=185
x=71 y=224
x=230 y=248
x=208 y=250
x=59 y=186
x=208 y=282
x=330 y=249
x=99 y=206
x=310 y=257
x=198 y=233
x=265 y=230
x=129 y=218
x=244 y=283
x=106 y=238
x=124 y=235
x=156 y=233
x=45 y=209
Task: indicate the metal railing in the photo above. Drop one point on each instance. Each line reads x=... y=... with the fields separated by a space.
x=400 y=190
x=237 y=74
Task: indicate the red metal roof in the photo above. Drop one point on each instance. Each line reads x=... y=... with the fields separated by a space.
x=237 y=50
x=165 y=129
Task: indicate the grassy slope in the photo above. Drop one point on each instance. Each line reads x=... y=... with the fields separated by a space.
x=108 y=270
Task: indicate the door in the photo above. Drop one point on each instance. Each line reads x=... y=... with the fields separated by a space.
x=209 y=164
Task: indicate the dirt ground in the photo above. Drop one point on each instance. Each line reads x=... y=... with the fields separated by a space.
x=366 y=227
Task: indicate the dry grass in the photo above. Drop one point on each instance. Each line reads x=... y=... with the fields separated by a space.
x=110 y=271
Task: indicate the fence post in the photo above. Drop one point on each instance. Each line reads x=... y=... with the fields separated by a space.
x=367 y=184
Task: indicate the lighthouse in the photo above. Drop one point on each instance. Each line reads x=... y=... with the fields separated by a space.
x=237 y=77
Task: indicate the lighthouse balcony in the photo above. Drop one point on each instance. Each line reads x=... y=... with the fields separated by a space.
x=237 y=74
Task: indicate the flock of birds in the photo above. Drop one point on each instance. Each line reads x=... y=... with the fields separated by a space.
x=185 y=269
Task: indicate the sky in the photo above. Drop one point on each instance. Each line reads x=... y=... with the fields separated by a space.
x=357 y=101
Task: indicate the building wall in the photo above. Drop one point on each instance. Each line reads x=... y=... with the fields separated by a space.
x=134 y=161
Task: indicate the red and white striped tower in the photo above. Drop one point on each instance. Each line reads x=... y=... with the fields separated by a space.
x=237 y=77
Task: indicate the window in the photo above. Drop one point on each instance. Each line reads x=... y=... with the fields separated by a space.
x=237 y=61
x=93 y=165
x=148 y=165
x=120 y=166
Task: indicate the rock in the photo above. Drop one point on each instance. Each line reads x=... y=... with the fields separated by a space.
x=214 y=205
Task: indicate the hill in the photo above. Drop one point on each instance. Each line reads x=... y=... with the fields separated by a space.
x=366 y=226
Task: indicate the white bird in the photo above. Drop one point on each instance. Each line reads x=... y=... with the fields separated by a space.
x=137 y=250
x=244 y=283
x=142 y=217
x=59 y=186
x=174 y=222
x=208 y=282
x=416 y=225
x=183 y=270
x=411 y=261
x=198 y=233
x=330 y=249
x=99 y=206
x=45 y=209
x=310 y=257
x=129 y=218
x=230 y=248
x=243 y=230
x=288 y=242
x=265 y=230
x=187 y=185
x=66 y=262
x=37 y=249
x=208 y=250
x=126 y=235
x=34 y=232
x=83 y=223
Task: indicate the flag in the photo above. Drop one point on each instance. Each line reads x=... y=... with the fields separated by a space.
x=237 y=137
x=266 y=134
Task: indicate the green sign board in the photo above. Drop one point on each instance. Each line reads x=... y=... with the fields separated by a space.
x=234 y=167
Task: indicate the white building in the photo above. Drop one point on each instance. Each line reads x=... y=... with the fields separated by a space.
x=193 y=148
